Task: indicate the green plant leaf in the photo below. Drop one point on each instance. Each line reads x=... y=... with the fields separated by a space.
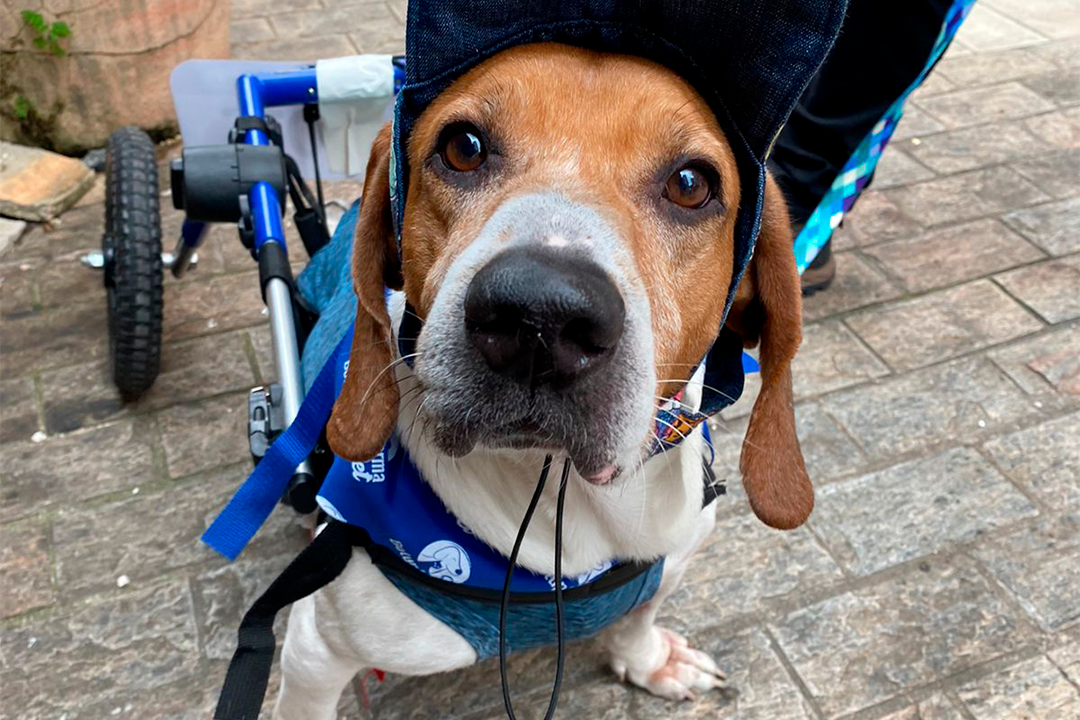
x=22 y=107
x=60 y=29
x=55 y=49
x=34 y=20
x=39 y=42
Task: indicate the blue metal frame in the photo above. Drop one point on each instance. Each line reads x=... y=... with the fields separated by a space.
x=193 y=232
x=255 y=93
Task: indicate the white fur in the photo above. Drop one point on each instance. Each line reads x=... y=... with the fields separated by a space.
x=361 y=620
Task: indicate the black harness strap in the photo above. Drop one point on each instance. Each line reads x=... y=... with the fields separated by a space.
x=319 y=564
x=713 y=488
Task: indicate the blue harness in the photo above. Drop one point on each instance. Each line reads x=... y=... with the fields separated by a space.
x=426 y=552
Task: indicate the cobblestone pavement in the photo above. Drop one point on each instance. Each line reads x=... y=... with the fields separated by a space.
x=939 y=406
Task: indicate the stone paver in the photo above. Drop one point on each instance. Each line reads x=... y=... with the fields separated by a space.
x=1044 y=459
x=857 y=285
x=831 y=357
x=874 y=219
x=914 y=412
x=82 y=395
x=1059 y=86
x=1035 y=688
x=751 y=566
x=1049 y=288
x=937 y=402
x=1038 y=566
x=975 y=106
x=1054 y=226
x=18 y=409
x=862 y=647
x=932 y=503
x=25 y=566
x=966 y=196
x=936 y=258
x=1046 y=366
x=970 y=148
x=914 y=332
x=73 y=467
x=996 y=67
x=1057 y=173
x=1059 y=130
x=828 y=448
x=935 y=707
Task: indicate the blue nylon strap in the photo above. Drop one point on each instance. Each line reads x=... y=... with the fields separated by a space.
x=749 y=364
x=256 y=498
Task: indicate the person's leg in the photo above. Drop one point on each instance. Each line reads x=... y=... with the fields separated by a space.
x=881 y=50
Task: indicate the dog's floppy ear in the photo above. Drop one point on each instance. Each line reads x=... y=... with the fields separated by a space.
x=768 y=308
x=366 y=410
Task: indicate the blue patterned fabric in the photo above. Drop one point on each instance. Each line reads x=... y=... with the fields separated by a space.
x=528 y=625
x=859 y=169
x=326 y=283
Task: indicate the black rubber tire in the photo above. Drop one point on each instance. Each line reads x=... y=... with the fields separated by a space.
x=132 y=249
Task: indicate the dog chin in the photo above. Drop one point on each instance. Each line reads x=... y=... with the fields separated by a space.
x=595 y=466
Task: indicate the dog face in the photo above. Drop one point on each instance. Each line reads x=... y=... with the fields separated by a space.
x=568 y=243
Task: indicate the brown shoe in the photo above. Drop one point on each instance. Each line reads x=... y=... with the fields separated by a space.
x=820 y=273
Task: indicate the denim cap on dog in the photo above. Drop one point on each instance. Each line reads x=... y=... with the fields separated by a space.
x=749 y=59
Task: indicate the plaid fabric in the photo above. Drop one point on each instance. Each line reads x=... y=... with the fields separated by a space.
x=860 y=167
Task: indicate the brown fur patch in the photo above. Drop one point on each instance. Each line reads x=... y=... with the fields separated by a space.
x=768 y=309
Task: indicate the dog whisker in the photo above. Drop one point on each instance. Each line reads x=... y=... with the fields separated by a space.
x=412 y=425
x=410 y=312
x=716 y=390
x=391 y=366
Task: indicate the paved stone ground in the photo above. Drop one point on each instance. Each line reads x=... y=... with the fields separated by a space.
x=939 y=406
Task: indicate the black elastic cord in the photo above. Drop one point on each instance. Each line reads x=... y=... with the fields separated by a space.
x=559 y=662
x=299 y=190
x=310 y=118
x=561 y=654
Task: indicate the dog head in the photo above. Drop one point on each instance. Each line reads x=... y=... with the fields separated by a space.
x=568 y=245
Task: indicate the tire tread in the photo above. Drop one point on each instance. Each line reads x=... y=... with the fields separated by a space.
x=133 y=232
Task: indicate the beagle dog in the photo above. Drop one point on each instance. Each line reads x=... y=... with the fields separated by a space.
x=567 y=245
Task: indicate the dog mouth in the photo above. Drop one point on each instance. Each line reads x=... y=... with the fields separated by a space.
x=533 y=431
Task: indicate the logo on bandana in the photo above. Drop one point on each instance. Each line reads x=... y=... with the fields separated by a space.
x=445 y=560
x=329 y=509
x=372 y=471
x=584 y=578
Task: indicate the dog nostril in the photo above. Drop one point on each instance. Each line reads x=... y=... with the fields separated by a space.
x=585 y=334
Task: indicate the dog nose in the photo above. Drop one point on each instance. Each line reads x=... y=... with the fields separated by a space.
x=543 y=317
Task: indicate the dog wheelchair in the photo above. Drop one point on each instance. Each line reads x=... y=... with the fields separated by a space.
x=246 y=180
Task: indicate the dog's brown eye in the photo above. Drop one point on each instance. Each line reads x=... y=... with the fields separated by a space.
x=462 y=148
x=689 y=187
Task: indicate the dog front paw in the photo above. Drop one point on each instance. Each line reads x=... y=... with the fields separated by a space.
x=676 y=671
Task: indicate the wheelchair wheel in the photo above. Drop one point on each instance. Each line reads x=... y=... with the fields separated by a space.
x=132 y=249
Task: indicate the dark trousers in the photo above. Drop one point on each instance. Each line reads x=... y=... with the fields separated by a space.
x=882 y=47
